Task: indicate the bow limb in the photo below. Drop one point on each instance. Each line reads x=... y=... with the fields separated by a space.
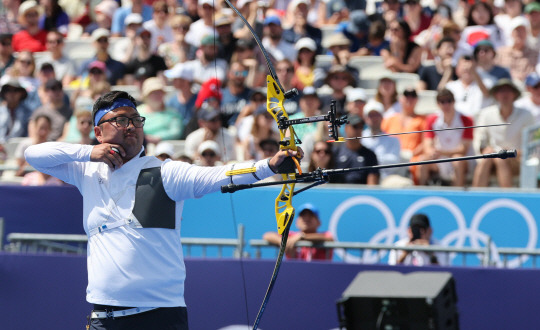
x=283 y=205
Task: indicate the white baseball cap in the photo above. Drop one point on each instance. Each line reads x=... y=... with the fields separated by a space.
x=355 y=94
x=306 y=43
x=133 y=18
x=180 y=70
x=373 y=106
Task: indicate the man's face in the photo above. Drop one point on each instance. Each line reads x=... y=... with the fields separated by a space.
x=209 y=52
x=130 y=138
x=54 y=42
x=238 y=74
x=505 y=95
x=307 y=222
x=374 y=120
x=5 y=46
x=102 y=44
x=446 y=50
x=273 y=31
x=310 y=103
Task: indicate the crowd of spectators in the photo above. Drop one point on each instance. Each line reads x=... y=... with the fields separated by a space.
x=200 y=77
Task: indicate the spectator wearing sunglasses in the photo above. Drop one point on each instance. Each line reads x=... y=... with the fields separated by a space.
x=235 y=94
x=447 y=144
x=64 y=67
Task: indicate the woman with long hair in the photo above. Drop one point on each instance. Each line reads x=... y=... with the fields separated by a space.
x=404 y=55
x=387 y=95
x=304 y=72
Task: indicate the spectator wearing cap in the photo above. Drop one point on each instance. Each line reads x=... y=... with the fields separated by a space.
x=64 y=67
x=386 y=148
x=407 y=121
x=447 y=144
x=178 y=50
x=207 y=65
x=95 y=73
x=493 y=139
x=471 y=92
x=273 y=40
x=115 y=69
x=310 y=105
x=484 y=54
x=337 y=45
x=519 y=57
x=31 y=37
x=208 y=154
x=353 y=153
x=123 y=48
x=104 y=12
x=308 y=223
x=144 y=57
x=6 y=53
x=532 y=13
x=435 y=76
x=164 y=150
x=235 y=94
x=14 y=114
x=55 y=108
x=227 y=40
x=356 y=30
x=419 y=233
x=162 y=123
x=531 y=101
x=119 y=17
x=203 y=26
x=159 y=26
x=211 y=129
x=183 y=98
x=54 y=18
x=300 y=27
x=304 y=73
x=8 y=18
x=356 y=100
x=404 y=55
x=338 y=79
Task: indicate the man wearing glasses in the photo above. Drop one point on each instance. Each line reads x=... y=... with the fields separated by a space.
x=132 y=210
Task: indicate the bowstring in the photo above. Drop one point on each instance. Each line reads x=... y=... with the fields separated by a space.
x=231 y=200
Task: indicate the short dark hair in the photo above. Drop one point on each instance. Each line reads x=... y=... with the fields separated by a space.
x=108 y=99
x=445 y=94
x=445 y=39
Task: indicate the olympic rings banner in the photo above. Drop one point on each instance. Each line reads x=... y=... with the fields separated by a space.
x=459 y=218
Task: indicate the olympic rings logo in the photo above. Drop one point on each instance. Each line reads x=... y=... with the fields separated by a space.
x=456 y=238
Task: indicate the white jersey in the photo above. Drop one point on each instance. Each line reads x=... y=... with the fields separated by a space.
x=139 y=263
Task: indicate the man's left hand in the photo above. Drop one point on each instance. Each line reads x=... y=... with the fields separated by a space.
x=281 y=155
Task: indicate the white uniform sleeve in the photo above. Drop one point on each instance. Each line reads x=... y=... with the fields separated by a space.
x=182 y=180
x=61 y=160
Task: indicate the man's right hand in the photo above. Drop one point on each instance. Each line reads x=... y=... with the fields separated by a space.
x=105 y=153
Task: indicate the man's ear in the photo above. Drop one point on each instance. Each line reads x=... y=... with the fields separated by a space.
x=97 y=133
